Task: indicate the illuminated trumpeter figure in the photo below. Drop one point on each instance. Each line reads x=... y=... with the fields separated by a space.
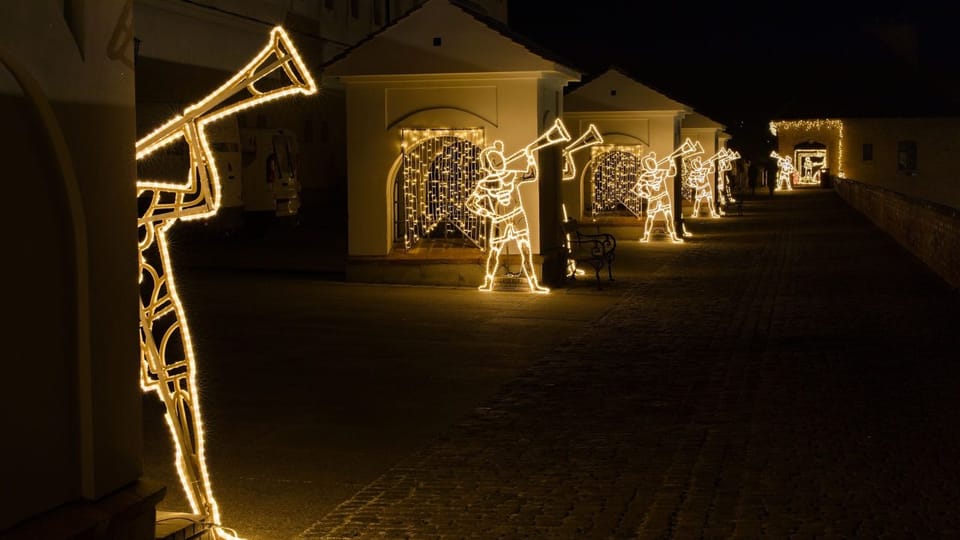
x=591 y=137
x=698 y=178
x=652 y=186
x=497 y=197
x=725 y=159
x=167 y=360
x=785 y=170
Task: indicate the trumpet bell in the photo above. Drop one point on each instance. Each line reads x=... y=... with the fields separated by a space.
x=589 y=138
x=555 y=135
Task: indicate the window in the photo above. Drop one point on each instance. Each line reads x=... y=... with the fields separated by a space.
x=355 y=9
x=907 y=156
x=868 y=151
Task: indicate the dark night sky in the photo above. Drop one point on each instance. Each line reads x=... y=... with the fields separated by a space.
x=748 y=65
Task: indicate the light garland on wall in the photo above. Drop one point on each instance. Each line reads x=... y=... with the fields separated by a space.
x=440 y=168
x=652 y=185
x=496 y=197
x=811 y=125
x=785 y=169
x=168 y=364
x=615 y=170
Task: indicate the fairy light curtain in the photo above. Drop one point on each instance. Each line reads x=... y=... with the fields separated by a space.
x=615 y=171
x=439 y=170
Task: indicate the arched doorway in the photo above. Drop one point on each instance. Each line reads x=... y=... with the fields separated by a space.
x=614 y=172
x=438 y=171
x=810 y=160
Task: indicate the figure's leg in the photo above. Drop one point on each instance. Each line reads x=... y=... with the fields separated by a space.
x=526 y=263
x=696 y=207
x=647 y=227
x=493 y=262
x=713 y=210
x=168 y=369
x=671 y=230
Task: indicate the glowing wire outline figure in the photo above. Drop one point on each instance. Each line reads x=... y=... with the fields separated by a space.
x=698 y=180
x=162 y=317
x=785 y=168
x=725 y=158
x=590 y=137
x=497 y=197
x=652 y=185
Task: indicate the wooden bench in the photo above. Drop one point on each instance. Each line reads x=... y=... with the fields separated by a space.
x=596 y=250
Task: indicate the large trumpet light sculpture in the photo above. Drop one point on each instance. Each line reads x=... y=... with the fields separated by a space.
x=497 y=197
x=590 y=137
x=785 y=169
x=168 y=366
x=652 y=185
x=725 y=159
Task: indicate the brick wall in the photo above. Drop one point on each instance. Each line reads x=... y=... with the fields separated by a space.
x=928 y=230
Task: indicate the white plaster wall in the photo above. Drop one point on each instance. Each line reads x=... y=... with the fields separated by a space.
x=938 y=145
x=74 y=427
x=378 y=108
x=657 y=131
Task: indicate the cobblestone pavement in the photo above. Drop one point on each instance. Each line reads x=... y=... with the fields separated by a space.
x=791 y=373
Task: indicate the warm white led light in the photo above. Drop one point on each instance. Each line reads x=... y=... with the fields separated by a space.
x=168 y=365
x=785 y=170
x=779 y=126
x=614 y=170
x=496 y=197
x=725 y=159
x=698 y=179
x=652 y=186
x=439 y=169
x=590 y=137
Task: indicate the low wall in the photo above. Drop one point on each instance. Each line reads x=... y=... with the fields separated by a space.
x=928 y=230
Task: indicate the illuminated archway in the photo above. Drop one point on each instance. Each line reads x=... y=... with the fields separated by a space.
x=614 y=172
x=438 y=171
x=810 y=160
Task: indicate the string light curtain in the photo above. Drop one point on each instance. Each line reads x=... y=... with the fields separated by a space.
x=439 y=170
x=616 y=170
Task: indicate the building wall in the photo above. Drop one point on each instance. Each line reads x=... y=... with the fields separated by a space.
x=548 y=210
x=656 y=131
x=937 y=147
x=72 y=411
x=929 y=231
x=826 y=134
x=507 y=109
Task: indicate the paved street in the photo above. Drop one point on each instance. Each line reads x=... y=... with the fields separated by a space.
x=788 y=373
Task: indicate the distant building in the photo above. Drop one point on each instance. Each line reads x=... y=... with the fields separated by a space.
x=912 y=156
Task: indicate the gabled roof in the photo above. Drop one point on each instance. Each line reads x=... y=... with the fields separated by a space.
x=615 y=90
x=445 y=36
x=697 y=120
